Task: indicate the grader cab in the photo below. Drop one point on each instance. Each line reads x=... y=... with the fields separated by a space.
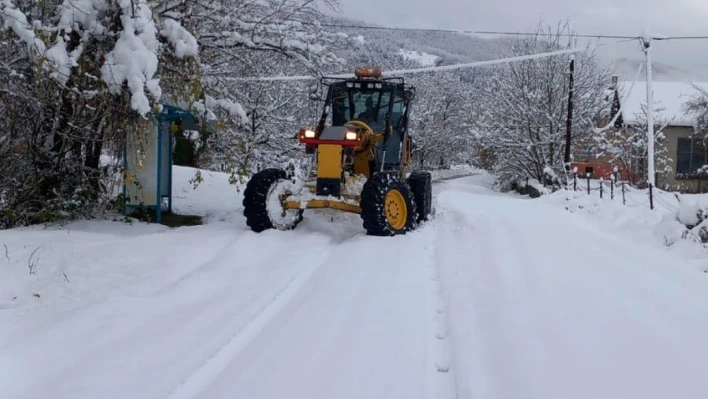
x=362 y=156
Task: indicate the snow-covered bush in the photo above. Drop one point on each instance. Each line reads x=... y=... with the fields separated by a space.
x=690 y=213
x=550 y=178
x=671 y=230
x=692 y=216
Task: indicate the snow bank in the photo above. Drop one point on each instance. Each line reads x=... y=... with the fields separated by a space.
x=41 y=264
x=668 y=225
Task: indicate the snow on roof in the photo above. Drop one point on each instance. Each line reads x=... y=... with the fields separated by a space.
x=669 y=100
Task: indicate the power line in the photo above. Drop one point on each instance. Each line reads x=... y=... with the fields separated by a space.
x=372 y=27
x=594 y=36
x=394 y=28
x=421 y=70
x=558 y=34
x=680 y=38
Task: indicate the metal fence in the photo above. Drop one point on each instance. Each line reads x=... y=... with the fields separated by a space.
x=606 y=188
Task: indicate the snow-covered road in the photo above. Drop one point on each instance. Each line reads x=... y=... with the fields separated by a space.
x=548 y=305
x=497 y=297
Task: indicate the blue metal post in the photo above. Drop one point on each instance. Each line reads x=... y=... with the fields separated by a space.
x=158 y=205
x=169 y=176
x=168 y=114
x=125 y=171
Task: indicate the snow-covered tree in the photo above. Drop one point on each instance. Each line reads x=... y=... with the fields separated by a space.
x=523 y=115
x=441 y=117
x=77 y=76
x=628 y=145
x=257 y=120
x=698 y=107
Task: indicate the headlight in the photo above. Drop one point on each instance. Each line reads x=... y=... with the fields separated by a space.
x=309 y=134
x=351 y=136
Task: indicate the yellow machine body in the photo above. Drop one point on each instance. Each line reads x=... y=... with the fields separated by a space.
x=331 y=161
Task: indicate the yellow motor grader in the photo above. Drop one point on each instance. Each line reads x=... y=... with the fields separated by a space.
x=362 y=154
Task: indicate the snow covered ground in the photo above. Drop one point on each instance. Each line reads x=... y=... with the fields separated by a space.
x=424 y=59
x=633 y=217
x=498 y=296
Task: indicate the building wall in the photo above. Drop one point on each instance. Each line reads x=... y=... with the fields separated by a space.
x=587 y=155
x=669 y=181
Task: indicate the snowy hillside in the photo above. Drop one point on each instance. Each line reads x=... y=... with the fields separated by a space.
x=447 y=48
x=626 y=69
x=424 y=59
x=467 y=306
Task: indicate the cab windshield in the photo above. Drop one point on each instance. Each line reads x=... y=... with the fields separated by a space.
x=366 y=105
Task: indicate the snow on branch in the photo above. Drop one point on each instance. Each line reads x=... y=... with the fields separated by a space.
x=184 y=43
x=83 y=14
x=55 y=59
x=134 y=57
x=61 y=62
x=15 y=19
x=234 y=109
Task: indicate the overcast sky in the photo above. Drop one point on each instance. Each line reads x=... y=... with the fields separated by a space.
x=621 y=17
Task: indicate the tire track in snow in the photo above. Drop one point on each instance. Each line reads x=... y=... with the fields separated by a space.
x=526 y=277
x=212 y=367
x=481 y=265
x=440 y=376
x=488 y=292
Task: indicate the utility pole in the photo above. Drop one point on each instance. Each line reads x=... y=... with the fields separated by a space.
x=569 y=122
x=650 y=112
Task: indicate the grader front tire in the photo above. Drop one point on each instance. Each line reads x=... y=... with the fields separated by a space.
x=387 y=206
x=255 y=202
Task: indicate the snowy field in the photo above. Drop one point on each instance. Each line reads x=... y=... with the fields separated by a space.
x=499 y=296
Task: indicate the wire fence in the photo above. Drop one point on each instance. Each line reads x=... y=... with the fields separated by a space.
x=612 y=188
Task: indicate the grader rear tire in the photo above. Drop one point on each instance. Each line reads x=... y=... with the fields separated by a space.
x=421 y=184
x=259 y=192
x=387 y=206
